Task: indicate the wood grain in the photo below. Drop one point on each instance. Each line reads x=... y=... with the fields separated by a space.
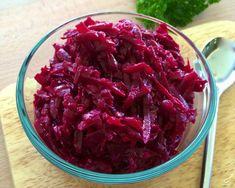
x=30 y=169
x=5 y=175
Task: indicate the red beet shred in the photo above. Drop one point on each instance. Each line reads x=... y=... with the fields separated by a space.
x=116 y=98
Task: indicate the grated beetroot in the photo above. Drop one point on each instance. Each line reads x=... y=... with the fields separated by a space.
x=116 y=98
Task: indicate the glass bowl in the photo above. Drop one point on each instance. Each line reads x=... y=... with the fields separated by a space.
x=39 y=56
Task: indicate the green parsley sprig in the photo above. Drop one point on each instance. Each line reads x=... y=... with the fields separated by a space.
x=174 y=12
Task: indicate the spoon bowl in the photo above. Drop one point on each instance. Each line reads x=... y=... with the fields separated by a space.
x=221 y=57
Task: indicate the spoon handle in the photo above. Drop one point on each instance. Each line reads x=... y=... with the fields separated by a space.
x=208 y=156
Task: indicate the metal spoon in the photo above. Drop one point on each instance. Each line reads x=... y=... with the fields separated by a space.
x=220 y=54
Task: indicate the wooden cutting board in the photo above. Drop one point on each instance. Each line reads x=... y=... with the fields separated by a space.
x=30 y=169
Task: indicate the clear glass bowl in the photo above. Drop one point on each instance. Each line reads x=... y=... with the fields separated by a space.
x=41 y=53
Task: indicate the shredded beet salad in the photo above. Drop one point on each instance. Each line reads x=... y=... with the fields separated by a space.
x=116 y=98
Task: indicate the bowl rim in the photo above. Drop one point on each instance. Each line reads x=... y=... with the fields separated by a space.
x=103 y=177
